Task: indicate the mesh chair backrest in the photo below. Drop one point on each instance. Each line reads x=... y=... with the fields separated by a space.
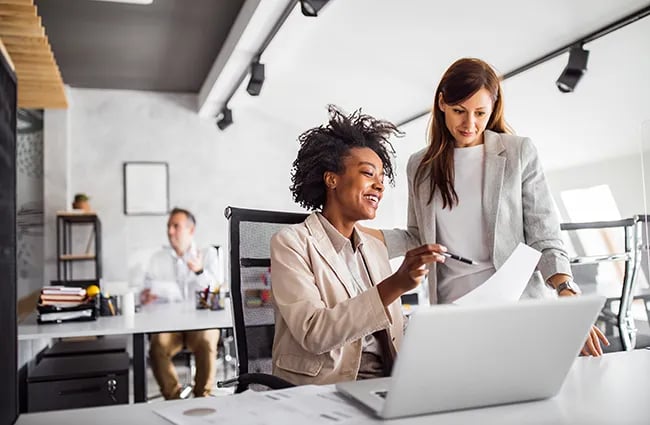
x=250 y=283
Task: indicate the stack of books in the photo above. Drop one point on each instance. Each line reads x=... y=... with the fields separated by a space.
x=62 y=296
x=65 y=303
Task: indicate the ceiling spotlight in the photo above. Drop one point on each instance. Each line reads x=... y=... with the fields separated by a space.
x=225 y=118
x=574 y=70
x=312 y=7
x=254 y=86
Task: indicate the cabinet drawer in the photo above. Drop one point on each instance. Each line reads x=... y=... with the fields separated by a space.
x=75 y=393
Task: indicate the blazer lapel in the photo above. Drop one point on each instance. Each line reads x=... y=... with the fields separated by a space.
x=495 y=165
x=374 y=267
x=324 y=247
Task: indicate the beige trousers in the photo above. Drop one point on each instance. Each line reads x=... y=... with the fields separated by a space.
x=164 y=346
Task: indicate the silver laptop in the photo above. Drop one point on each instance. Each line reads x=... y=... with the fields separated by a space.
x=455 y=357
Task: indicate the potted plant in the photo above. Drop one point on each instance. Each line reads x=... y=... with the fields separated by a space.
x=81 y=202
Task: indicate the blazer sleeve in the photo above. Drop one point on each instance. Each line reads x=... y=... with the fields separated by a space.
x=541 y=220
x=317 y=328
x=398 y=241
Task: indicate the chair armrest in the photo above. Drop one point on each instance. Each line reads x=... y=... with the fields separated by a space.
x=246 y=379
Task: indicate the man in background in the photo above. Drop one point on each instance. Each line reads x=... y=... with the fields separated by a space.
x=176 y=273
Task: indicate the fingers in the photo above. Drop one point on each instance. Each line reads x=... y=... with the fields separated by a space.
x=592 y=346
x=418 y=261
x=426 y=249
x=418 y=274
x=600 y=335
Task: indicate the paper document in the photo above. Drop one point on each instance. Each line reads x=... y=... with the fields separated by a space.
x=166 y=290
x=509 y=282
x=307 y=404
x=65 y=315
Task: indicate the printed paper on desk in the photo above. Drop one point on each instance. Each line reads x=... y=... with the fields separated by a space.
x=308 y=404
x=509 y=282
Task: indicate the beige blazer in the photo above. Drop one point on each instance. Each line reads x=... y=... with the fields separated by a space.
x=318 y=324
x=517 y=207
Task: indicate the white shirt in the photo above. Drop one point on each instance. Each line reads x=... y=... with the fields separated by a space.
x=462 y=229
x=351 y=256
x=171 y=280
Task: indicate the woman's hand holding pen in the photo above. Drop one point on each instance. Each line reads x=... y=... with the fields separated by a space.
x=411 y=272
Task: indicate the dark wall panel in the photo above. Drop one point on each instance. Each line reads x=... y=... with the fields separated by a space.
x=8 y=345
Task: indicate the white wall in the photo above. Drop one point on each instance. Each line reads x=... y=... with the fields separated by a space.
x=248 y=165
x=622 y=175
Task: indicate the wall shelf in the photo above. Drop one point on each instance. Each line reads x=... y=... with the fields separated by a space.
x=65 y=222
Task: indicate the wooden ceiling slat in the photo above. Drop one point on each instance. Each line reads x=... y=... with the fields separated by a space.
x=36 y=57
x=21 y=30
x=40 y=84
x=16 y=2
x=35 y=66
x=20 y=20
x=40 y=94
x=32 y=92
x=56 y=102
x=43 y=85
x=12 y=40
x=12 y=9
x=39 y=52
x=27 y=62
x=39 y=74
x=32 y=80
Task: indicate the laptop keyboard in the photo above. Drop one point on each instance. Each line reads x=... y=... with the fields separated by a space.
x=381 y=393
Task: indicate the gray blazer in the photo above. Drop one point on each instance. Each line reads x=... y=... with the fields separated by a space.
x=517 y=207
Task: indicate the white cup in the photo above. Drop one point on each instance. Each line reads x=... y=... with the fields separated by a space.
x=128 y=304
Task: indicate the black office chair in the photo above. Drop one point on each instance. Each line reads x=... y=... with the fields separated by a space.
x=250 y=285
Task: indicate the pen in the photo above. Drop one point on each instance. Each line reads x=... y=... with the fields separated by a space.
x=459 y=258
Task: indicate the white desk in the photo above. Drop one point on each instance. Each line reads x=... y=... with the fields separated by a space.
x=613 y=389
x=175 y=317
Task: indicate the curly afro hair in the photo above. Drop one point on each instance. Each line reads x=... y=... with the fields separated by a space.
x=325 y=147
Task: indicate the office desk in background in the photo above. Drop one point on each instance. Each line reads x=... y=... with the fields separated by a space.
x=613 y=389
x=173 y=317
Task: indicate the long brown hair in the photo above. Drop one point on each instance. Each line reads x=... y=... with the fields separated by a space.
x=463 y=78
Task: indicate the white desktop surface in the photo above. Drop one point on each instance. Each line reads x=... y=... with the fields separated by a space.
x=169 y=317
x=613 y=389
x=150 y=319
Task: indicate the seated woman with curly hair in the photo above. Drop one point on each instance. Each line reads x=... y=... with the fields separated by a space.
x=337 y=304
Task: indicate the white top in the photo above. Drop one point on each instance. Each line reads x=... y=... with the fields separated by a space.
x=611 y=389
x=169 y=277
x=351 y=256
x=463 y=230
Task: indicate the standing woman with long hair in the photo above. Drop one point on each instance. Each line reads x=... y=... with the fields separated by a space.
x=480 y=190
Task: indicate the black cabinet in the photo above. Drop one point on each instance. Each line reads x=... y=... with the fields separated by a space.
x=69 y=253
x=68 y=382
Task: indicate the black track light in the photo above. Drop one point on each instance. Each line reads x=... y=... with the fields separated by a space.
x=254 y=86
x=312 y=7
x=574 y=70
x=225 y=118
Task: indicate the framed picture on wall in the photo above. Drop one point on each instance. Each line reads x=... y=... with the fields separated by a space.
x=146 y=188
